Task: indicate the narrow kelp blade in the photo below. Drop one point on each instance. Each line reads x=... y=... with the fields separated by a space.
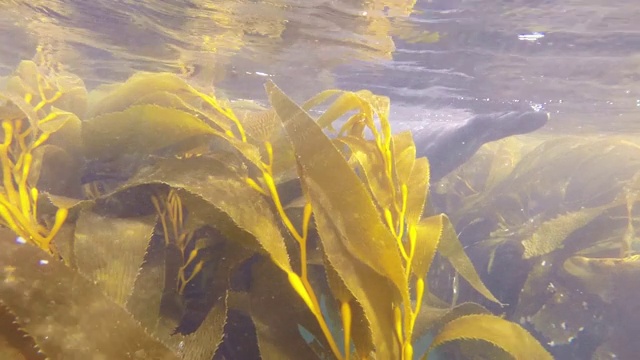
x=46 y=297
x=359 y=246
x=496 y=331
x=451 y=248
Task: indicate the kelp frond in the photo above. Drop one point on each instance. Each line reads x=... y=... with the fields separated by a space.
x=28 y=120
x=212 y=187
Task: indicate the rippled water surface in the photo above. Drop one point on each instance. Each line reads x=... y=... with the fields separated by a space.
x=579 y=60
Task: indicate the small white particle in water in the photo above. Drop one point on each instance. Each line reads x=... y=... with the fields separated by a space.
x=21 y=240
x=44 y=262
x=544 y=262
x=580 y=328
x=563 y=325
x=585 y=305
x=261 y=73
x=530 y=37
x=570 y=339
x=551 y=343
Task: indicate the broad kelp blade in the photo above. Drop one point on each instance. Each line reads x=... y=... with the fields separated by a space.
x=271 y=297
x=46 y=296
x=224 y=188
x=373 y=292
x=118 y=97
x=360 y=328
x=15 y=344
x=333 y=185
x=551 y=234
x=27 y=85
x=109 y=251
x=433 y=318
x=141 y=129
x=451 y=248
x=428 y=235
x=155 y=302
x=494 y=330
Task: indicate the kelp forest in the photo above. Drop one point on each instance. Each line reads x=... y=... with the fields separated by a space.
x=150 y=219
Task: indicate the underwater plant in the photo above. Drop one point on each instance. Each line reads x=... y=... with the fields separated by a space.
x=559 y=215
x=198 y=228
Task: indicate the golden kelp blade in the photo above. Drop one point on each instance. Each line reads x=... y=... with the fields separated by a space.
x=350 y=227
x=504 y=334
x=322 y=165
x=140 y=129
x=46 y=296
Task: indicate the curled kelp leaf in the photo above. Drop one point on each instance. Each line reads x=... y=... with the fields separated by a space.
x=496 y=331
x=224 y=188
x=45 y=295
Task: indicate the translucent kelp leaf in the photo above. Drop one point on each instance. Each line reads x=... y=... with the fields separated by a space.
x=504 y=334
x=433 y=318
x=155 y=288
x=46 y=296
x=452 y=250
x=139 y=129
x=417 y=190
x=56 y=170
x=226 y=190
x=334 y=186
x=404 y=154
x=551 y=234
x=118 y=97
x=429 y=232
x=372 y=291
x=109 y=251
x=605 y=277
x=371 y=162
x=360 y=333
x=15 y=344
x=271 y=297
